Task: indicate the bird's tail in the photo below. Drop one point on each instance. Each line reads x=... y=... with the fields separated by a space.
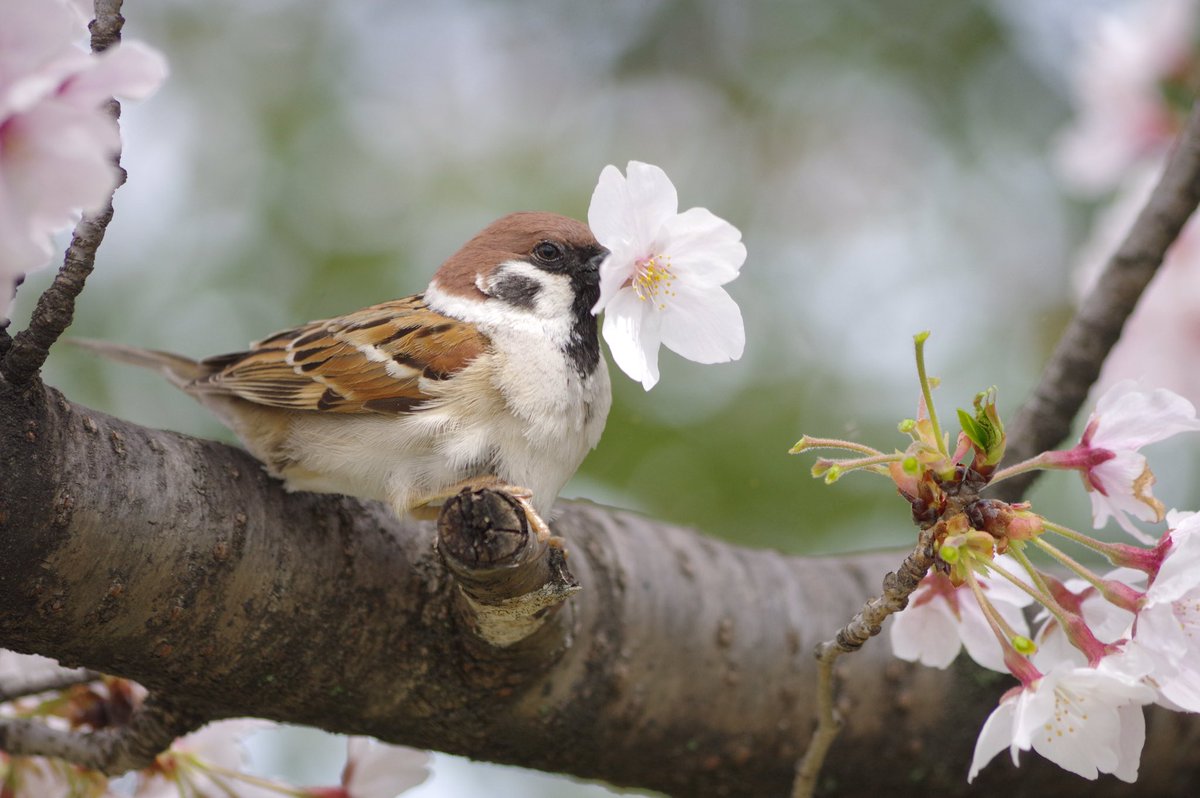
x=180 y=370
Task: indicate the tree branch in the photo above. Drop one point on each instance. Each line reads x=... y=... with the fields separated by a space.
x=180 y=564
x=45 y=682
x=151 y=730
x=22 y=356
x=1045 y=419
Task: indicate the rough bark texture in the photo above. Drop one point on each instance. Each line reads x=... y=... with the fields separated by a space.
x=179 y=563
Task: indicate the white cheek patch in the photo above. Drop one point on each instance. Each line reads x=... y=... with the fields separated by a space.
x=547 y=313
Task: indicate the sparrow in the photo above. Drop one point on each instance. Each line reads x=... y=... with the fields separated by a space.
x=492 y=377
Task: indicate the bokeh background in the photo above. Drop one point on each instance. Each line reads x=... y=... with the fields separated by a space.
x=893 y=166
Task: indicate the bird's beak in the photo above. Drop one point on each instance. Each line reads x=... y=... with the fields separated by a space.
x=592 y=267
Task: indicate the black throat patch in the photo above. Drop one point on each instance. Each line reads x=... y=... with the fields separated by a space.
x=583 y=347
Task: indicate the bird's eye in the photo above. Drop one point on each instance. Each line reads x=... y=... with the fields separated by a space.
x=548 y=252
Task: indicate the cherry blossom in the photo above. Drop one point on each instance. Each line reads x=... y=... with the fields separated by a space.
x=208 y=761
x=1168 y=623
x=942 y=619
x=376 y=770
x=1123 y=118
x=662 y=283
x=1115 y=472
x=1085 y=720
x=56 y=138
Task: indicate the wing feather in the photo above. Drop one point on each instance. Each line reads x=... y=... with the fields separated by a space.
x=371 y=361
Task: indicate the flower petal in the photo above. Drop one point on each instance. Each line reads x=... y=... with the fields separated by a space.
x=705 y=249
x=926 y=633
x=994 y=737
x=633 y=334
x=1128 y=418
x=703 y=325
x=627 y=213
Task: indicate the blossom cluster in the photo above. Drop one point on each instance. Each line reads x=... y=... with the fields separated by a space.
x=1102 y=644
x=56 y=139
x=210 y=761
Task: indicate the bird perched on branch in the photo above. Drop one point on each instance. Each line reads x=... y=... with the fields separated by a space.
x=492 y=377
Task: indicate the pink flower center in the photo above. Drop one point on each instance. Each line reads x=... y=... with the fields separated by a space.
x=653 y=278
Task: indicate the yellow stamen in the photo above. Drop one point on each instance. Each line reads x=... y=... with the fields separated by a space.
x=653 y=280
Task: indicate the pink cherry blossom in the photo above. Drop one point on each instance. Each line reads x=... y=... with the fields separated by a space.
x=662 y=283
x=1123 y=118
x=1085 y=720
x=56 y=139
x=941 y=620
x=1115 y=472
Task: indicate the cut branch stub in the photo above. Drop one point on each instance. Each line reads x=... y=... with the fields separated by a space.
x=511 y=585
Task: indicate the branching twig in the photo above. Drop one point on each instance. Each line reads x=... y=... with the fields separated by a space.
x=151 y=730
x=1045 y=418
x=27 y=351
x=897 y=587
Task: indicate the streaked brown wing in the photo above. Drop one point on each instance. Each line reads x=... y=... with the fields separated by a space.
x=372 y=360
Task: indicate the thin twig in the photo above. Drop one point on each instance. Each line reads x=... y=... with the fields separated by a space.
x=1045 y=418
x=57 y=680
x=897 y=587
x=151 y=730
x=55 y=309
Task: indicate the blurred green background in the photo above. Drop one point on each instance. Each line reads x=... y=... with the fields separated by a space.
x=887 y=162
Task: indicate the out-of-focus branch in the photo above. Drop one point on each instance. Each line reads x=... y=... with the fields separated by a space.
x=22 y=356
x=151 y=730
x=45 y=682
x=1045 y=418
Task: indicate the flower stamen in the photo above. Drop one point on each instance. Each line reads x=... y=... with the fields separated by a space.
x=653 y=279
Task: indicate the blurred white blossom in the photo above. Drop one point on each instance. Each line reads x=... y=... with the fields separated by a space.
x=1123 y=118
x=376 y=770
x=56 y=139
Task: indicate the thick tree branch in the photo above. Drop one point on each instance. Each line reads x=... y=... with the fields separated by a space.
x=22 y=356
x=180 y=564
x=1045 y=419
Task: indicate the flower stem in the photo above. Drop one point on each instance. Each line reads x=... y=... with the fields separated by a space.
x=1017 y=663
x=808 y=442
x=1032 y=464
x=1120 y=554
x=1072 y=624
x=919 y=343
x=1115 y=593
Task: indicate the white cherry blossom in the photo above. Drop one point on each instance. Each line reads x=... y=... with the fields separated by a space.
x=1115 y=471
x=56 y=139
x=1085 y=720
x=941 y=620
x=662 y=283
x=1168 y=623
x=377 y=770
